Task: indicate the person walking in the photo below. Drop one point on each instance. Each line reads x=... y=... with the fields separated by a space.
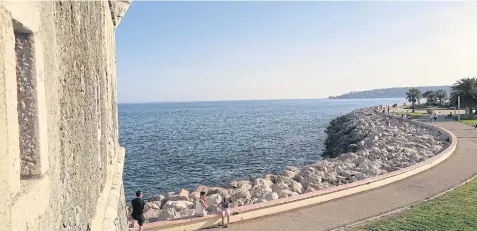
x=138 y=205
x=435 y=118
x=225 y=212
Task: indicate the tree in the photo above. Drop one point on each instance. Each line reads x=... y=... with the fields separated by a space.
x=441 y=95
x=466 y=88
x=413 y=95
x=430 y=97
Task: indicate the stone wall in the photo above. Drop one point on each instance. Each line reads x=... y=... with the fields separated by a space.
x=58 y=117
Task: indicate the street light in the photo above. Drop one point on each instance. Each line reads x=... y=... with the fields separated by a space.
x=458 y=108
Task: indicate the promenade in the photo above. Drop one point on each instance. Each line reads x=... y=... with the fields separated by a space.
x=458 y=168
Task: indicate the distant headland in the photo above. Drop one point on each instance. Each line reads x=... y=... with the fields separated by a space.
x=397 y=92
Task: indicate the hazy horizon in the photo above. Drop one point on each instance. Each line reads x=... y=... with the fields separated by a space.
x=234 y=51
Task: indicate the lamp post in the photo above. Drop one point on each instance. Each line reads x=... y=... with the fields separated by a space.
x=458 y=108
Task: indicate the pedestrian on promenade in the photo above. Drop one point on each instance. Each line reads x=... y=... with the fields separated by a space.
x=201 y=205
x=225 y=212
x=449 y=116
x=138 y=209
x=435 y=118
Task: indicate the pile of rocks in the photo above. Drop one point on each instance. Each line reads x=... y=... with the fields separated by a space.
x=361 y=144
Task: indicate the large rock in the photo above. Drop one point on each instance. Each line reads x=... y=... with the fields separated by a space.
x=291 y=171
x=270 y=196
x=178 y=205
x=240 y=194
x=286 y=193
x=279 y=187
x=259 y=200
x=260 y=190
x=157 y=198
x=262 y=182
x=242 y=184
x=152 y=215
x=296 y=187
x=214 y=199
x=169 y=214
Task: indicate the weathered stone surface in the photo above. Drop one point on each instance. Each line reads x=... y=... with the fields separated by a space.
x=259 y=190
x=178 y=205
x=286 y=193
x=270 y=196
x=168 y=214
x=118 y=9
x=66 y=116
x=214 y=199
x=152 y=215
x=242 y=184
x=260 y=181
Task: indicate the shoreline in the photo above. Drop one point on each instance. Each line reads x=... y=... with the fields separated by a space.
x=366 y=143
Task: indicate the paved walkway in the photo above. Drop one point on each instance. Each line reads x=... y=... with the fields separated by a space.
x=335 y=214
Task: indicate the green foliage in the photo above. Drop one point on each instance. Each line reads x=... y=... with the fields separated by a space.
x=441 y=95
x=452 y=211
x=466 y=88
x=399 y=92
x=471 y=122
x=435 y=97
x=430 y=96
x=413 y=95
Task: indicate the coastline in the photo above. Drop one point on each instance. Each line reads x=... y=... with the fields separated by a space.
x=370 y=143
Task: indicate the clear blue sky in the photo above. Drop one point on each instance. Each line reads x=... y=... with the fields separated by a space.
x=195 y=51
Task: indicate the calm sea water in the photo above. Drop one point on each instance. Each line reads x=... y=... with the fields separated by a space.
x=170 y=146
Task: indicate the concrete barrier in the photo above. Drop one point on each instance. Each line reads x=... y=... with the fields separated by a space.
x=284 y=204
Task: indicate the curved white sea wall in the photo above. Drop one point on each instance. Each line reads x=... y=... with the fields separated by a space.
x=361 y=144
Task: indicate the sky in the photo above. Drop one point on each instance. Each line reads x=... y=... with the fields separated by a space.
x=213 y=51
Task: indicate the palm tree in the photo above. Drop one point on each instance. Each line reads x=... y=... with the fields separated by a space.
x=441 y=95
x=413 y=95
x=430 y=97
x=466 y=88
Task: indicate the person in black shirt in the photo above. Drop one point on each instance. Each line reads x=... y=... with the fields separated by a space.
x=137 y=209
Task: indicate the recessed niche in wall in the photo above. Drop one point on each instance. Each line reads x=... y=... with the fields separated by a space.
x=27 y=105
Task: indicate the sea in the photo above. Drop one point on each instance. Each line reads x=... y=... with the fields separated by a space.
x=170 y=146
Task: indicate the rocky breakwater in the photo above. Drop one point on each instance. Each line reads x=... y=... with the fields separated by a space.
x=361 y=144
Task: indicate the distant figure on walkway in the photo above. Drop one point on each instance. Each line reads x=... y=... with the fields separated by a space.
x=431 y=118
x=476 y=126
x=137 y=209
x=201 y=205
x=225 y=212
x=388 y=108
x=449 y=116
x=434 y=118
